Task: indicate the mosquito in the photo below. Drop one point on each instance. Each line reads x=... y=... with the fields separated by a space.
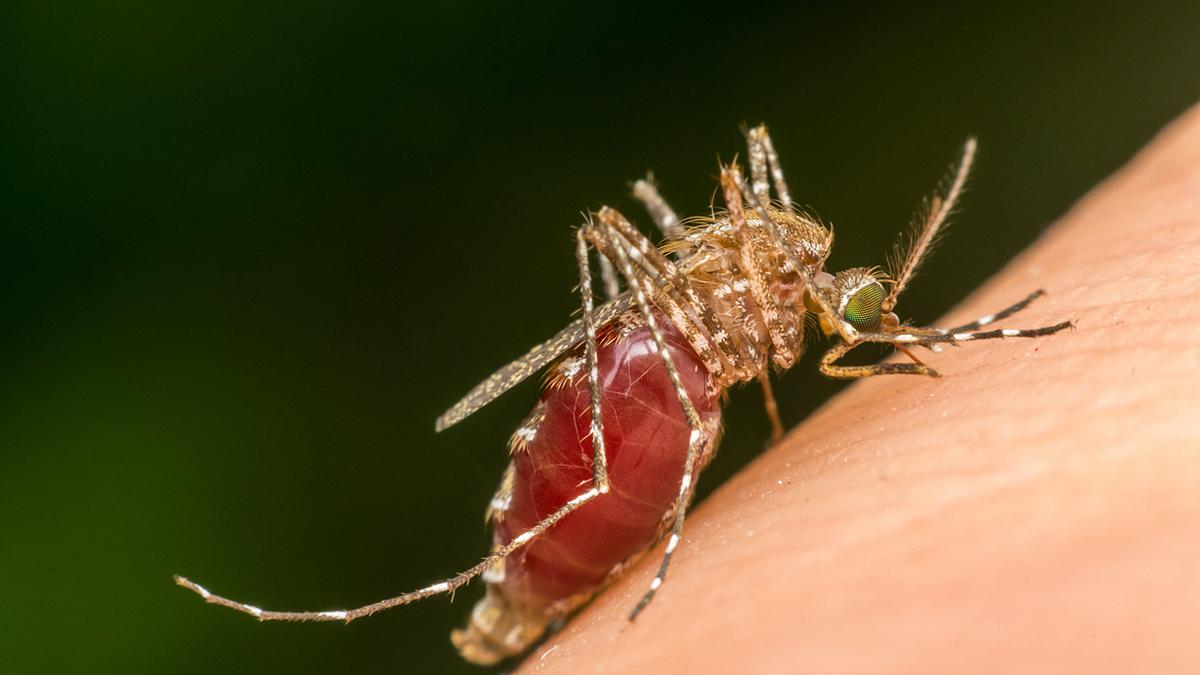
x=606 y=463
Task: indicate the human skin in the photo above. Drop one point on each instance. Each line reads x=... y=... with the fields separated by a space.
x=1037 y=509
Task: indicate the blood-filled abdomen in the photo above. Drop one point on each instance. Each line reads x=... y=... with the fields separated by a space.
x=646 y=440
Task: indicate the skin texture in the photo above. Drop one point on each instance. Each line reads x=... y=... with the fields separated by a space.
x=1035 y=510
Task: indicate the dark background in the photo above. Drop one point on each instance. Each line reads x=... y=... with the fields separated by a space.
x=251 y=253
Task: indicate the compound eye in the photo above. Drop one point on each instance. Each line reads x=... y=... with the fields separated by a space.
x=863 y=309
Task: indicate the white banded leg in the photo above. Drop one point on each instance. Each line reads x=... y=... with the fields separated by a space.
x=965 y=336
x=900 y=339
x=715 y=344
x=985 y=320
x=696 y=437
x=767 y=303
x=848 y=333
x=599 y=457
x=612 y=231
x=608 y=275
x=662 y=213
x=446 y=586
x=600 y=486
x=763 y=155
x=998 y=316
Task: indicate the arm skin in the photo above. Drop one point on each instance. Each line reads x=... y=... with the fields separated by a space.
x=1036 y=509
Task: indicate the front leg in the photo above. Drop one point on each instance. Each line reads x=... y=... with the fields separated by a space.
x=829 y=367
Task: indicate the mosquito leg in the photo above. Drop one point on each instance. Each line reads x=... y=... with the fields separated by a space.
x=757 y=156
x=829 y=368
x=1002 y=314
x=600 y=486
x=648 y=258
x=662 y=213
x=764 y=379
x=642 y=251
x=968 y=336
x=654 y=272
x=599 y=457
x=695 y=440
x=609 y=277
x=762 y=155
x=766 y=301
x=446 y=586
x=848 y=333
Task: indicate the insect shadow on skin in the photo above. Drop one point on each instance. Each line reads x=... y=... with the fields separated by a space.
x=606 y=463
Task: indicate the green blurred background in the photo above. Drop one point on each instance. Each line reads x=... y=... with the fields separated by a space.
x=251 y=252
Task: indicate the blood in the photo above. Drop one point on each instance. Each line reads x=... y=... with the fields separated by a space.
x=646 y=441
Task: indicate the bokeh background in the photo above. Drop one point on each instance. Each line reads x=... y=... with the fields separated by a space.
x=251 y=251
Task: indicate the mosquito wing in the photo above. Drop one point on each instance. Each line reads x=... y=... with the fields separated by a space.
x=514 y=373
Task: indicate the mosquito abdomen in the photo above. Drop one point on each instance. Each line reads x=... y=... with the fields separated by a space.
x=646 y=437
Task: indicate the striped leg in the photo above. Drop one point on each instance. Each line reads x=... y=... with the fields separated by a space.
x=953 y=338
x=662 y=213
x=923 y=338
x=763 y=155
x=766 y=301
x=1002 y=314
x=696 y=439
x=650 y=261
x=985 y=320
x=446 y=586
x=848 y=333
x=599 y=457
x=599 y=486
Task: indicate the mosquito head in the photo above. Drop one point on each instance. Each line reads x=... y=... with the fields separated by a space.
x=857 y=294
